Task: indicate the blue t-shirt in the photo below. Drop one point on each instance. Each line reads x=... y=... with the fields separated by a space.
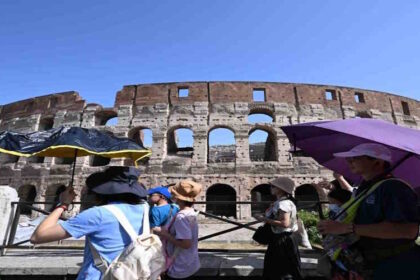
x=159 y=215
x=104 y=232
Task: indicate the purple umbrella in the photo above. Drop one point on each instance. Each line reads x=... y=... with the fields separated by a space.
x=320 y=140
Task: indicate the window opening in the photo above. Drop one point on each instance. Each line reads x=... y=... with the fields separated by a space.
x=221 y=145
x=258 y=95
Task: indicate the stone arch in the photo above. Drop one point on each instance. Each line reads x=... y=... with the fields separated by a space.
x=261 y=193
x=180 y=141
x=307 y=194
x=142 y=135
x=260 y=115
x=26 y=193
x=261 y=149
x=52 y=194
x=221 y=145
x=106 y=117
x=221 y=192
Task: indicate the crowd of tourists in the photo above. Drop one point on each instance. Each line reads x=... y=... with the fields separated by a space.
x=369 y=233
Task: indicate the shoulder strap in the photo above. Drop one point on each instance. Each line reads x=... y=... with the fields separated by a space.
x=351 y=206
x=122 y=219
x=168 y=218
x=99 y=262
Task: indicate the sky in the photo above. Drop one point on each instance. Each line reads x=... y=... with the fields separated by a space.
x=95 y=47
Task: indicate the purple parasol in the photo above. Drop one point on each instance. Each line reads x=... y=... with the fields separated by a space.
x=320 y=140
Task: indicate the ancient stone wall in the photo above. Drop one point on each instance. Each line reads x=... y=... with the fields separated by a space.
x=200 y=107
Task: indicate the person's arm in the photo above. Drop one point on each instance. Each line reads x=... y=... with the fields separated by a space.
x=383 y=230
x=182 y=243
x=49 y=230
x=343 y=183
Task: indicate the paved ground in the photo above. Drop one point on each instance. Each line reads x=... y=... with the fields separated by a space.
x=66 y=262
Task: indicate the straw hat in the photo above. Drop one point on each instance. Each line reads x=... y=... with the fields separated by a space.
x=284 y=184
x=186 y=190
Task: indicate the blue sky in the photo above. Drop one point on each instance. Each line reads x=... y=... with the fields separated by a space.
x=95 y=47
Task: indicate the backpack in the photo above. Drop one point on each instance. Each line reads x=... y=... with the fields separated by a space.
x=142 y=259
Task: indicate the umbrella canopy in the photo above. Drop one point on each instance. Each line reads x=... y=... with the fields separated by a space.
x=320 y=140
x=69 y=141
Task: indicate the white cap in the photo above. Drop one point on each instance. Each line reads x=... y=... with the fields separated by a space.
x=374 y=150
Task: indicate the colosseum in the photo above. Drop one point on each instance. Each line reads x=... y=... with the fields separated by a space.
x=236 y=170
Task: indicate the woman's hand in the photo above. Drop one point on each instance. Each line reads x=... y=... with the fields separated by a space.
x=325 y=185
x=334 y=227
x=161 y=232
x=67 y=196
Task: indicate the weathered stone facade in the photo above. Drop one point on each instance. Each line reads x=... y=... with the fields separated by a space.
x=207 y=106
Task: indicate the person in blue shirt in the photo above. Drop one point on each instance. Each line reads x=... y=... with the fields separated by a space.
x=163 y=210
x=117 y=185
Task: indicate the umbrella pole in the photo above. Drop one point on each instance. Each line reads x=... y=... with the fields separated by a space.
x=73 y=169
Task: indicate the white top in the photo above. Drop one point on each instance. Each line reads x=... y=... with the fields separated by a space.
x=286 y=206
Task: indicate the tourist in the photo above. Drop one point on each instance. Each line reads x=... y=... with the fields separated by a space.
x=337 y=196
x=282 y=260
x=386 y=219
x=117 y=186
x=182 y=233
x=162 y=209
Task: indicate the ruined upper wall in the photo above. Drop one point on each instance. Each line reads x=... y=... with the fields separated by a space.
x=302 y=96
x=296 y=94
x=46 y=105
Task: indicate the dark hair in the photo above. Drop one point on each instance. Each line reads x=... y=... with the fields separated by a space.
x=293 y=199
x=187 y=203
x=103 y=199
x=124 y=197
x=340 y=194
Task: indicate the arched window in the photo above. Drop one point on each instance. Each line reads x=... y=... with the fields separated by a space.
x=99 y=160
x=52 y=195
x=221 y=192
x=27 y=194
x=221 y=145
x=180 y=142
x=111 y=122
x=64 y=160
x=259 y=118
x=106 y=117
x=307 y=194
x=143 y=137
x=261 y=193
x=262 y=146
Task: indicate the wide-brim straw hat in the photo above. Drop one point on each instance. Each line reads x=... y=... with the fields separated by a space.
x=284 y=184
x=186 y=190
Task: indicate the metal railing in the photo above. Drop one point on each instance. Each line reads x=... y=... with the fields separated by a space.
x=17 y=207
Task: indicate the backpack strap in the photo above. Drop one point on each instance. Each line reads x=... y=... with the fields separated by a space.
x=168 y=219
x=122 y=219
x=98 y=261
